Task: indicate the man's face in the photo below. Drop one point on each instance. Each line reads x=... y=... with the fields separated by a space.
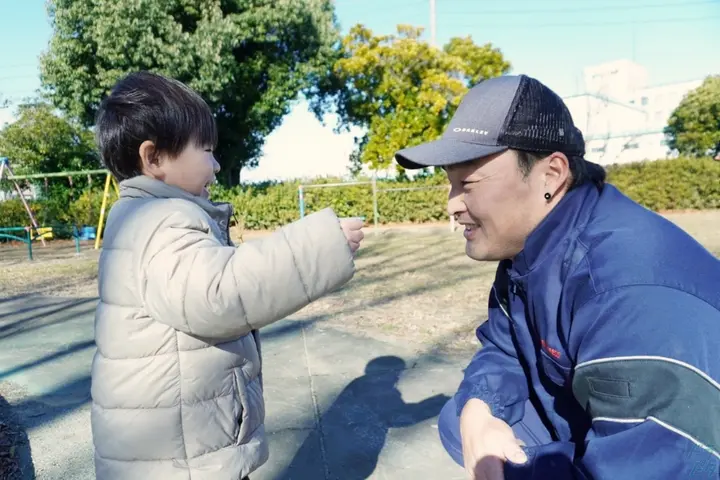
x=499 y=206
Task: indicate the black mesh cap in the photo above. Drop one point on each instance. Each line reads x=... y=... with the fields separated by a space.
x=511 y=111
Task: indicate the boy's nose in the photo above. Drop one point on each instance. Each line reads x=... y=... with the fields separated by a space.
x=216 y=165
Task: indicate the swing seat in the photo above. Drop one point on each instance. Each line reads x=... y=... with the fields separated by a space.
x=45 y=232
x=87 y=233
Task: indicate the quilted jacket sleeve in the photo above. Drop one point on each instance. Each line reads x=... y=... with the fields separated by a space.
x=197 y=285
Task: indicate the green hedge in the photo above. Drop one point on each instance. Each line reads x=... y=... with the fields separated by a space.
x=267 y=206
x=659 y=185
x=678 y=184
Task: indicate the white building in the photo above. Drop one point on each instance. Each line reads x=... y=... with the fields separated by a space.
x=621 y=117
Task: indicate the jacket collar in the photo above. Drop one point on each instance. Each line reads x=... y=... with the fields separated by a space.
x=563 y=223
x=143 y=186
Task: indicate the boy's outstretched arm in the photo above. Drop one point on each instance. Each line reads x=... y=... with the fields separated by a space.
x=199 y=286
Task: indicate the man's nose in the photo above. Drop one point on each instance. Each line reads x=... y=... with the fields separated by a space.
x=456 y=203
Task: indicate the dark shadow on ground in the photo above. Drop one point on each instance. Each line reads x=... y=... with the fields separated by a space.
x=15 y=297
x=15 y=455
x=42 y=409
x=47 y=317
x=355 y=427
x=69 y=350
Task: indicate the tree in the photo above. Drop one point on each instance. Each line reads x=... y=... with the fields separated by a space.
x=249 y=59
x=694 y=127
x=40 y=141
x=401 y=89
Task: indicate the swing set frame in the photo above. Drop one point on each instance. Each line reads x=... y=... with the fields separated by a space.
x=109 y=180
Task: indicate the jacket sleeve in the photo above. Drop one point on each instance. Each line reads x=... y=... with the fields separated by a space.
x=647 y=375
x=495 y=374
x=199 y=286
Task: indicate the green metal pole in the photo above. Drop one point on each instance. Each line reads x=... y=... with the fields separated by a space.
x=76 y=234
x=74 y=173
x=29 y=242
x=301 y=200
x=375 y=201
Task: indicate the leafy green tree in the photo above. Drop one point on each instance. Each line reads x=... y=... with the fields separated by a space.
x=41 y=141
x=248 y=58
x=694 y=127
x=400 y=89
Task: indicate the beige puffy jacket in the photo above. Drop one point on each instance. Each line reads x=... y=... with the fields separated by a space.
x=176 y=386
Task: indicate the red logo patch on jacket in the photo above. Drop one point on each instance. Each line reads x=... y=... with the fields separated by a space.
x=550 y=351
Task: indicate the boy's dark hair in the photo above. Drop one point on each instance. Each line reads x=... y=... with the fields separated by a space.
x=147 y=106
x=581 y=171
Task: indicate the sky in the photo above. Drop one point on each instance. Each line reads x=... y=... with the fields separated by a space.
x=552 y=40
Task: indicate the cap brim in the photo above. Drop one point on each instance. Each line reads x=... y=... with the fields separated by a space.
x=443 y=153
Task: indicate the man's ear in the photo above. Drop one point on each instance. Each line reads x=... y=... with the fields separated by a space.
x=150 y=159
x=557 y=172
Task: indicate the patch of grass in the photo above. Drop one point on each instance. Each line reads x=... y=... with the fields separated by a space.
x=55 y=270
x=417 y=286
x=413 y=285
x=703 y=225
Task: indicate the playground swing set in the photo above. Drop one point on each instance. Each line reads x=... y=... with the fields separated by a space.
x=34 y=232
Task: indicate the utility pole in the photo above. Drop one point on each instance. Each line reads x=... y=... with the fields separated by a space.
x=433 y=31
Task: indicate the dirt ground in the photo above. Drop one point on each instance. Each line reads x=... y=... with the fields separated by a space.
x=414 y=284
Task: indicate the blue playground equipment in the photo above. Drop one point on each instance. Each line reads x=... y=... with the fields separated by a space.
x=26 y=236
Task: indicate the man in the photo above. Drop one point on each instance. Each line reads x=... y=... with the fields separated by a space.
x=601 y=354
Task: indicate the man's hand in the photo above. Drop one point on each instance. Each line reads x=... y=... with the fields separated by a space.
x=487 y=442
x=352 y=228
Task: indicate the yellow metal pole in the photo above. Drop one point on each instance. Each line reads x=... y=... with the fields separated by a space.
x=106 y=192
x=117 y=188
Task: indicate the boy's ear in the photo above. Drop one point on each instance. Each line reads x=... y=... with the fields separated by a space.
x=149 y=158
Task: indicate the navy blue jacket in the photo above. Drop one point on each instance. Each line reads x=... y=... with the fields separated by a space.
x=609 y=322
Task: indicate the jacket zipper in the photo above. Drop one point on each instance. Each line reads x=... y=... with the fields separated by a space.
x=497 y=297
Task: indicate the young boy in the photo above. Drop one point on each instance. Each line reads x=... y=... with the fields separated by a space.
x=176 y=383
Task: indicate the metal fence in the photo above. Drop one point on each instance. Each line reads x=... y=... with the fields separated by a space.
x=375 y=190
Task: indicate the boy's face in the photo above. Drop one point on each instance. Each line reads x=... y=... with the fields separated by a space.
x=193 y=170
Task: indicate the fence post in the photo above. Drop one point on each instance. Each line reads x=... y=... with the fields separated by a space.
x=76 y=235
x=452 y=217
x=29 y=241
x=301 y=199
x=375 y=200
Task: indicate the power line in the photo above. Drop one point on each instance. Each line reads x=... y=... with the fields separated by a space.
x=585 y=24
x=18 y=77
x=17 y=66
x=521 y=10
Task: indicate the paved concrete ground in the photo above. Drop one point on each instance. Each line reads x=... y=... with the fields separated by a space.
x=338 y=406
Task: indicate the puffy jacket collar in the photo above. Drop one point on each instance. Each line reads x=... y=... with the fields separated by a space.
x=562 y=224
x=144 y=187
